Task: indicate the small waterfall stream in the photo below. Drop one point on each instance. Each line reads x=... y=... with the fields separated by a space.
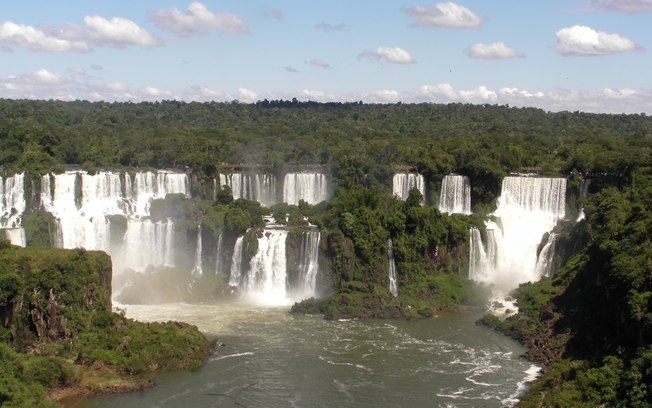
x=12 y=207
x=198 y=270
x=309 y=187
x=455 y=196
x=402 y=183
x=309 y=263
x=393 y=287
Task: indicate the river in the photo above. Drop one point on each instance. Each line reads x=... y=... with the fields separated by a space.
x=274 y=359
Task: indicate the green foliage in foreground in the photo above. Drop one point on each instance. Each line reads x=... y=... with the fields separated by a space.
x=56 y=304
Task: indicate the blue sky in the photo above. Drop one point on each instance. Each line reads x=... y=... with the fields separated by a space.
x=587 y=55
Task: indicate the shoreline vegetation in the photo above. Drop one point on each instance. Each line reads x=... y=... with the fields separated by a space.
x=590 y=323
x=61 y=340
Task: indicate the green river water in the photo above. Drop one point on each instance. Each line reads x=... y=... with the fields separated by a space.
x=274 y=359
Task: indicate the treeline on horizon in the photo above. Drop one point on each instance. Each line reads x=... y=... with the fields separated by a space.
x=353 y=140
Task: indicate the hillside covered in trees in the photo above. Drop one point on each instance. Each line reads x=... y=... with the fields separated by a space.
x=603 y=262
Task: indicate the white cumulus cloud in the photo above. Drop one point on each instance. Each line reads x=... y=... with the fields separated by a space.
x=625 y=6
x=118 y=32
x=583 y=40
x=198 y=18
x=19 y=35
x=619 y=93
x=448 y=15
x=497 y=50
x=395 y=55
x=247 y=95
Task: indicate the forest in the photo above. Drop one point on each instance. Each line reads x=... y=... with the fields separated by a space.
x=599 y=299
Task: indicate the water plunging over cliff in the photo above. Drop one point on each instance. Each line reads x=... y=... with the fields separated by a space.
x=309 y=187
x=84 y=205
x=12 y=207
x=584 y=192
x=198 y=270
x=402 y=183
x=455 y=196
x=266 y=280
x=528 y=207
x=308 y=263
x=236 y=263
x=252 y=186
x=393 y=287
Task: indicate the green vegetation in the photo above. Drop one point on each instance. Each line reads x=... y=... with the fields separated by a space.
x=57 y=329
x=592 y=323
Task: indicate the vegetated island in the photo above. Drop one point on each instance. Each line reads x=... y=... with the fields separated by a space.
x=60 y=338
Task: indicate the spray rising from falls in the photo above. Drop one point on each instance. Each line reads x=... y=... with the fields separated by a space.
x=257 y=187
x=309 y=187
x=455 y=196
x=393 y=287
x=528 y=207
x=402 y=183
x=12 y=207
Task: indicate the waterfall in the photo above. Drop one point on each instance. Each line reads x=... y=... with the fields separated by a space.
x=197 y=270
x=266 y=281
x=545 y=265
x=481 y=259
x=455 y=196
x=528 y=207
x=218 y=256
x=584 y=192
x=402 y=183
x=309 y=187
x=392 y=268
x=146 y=243
x=309 y=263
x=83 y=205
x=12 y=207
x=236 y=263
x=257 y=187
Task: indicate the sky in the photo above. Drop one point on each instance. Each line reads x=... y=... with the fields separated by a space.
x=572 y=55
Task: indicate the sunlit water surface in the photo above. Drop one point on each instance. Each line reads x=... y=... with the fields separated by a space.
x=274 y=359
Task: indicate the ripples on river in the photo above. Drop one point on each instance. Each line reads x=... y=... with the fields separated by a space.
x=274 y=359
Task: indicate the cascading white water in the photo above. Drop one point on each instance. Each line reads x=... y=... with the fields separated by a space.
x=309 y=187
x=198 y=270
x=12 y=207
x=545 y=262
x=266 y=280
x=308 y=263
x=455 y=196
x=528 y=207
x=82 y=204
x=252 y=186
x=402 y=183
x=584 y=192
x=393 y=287
x=144 y=244
x=219 y=254
x=236 y=263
